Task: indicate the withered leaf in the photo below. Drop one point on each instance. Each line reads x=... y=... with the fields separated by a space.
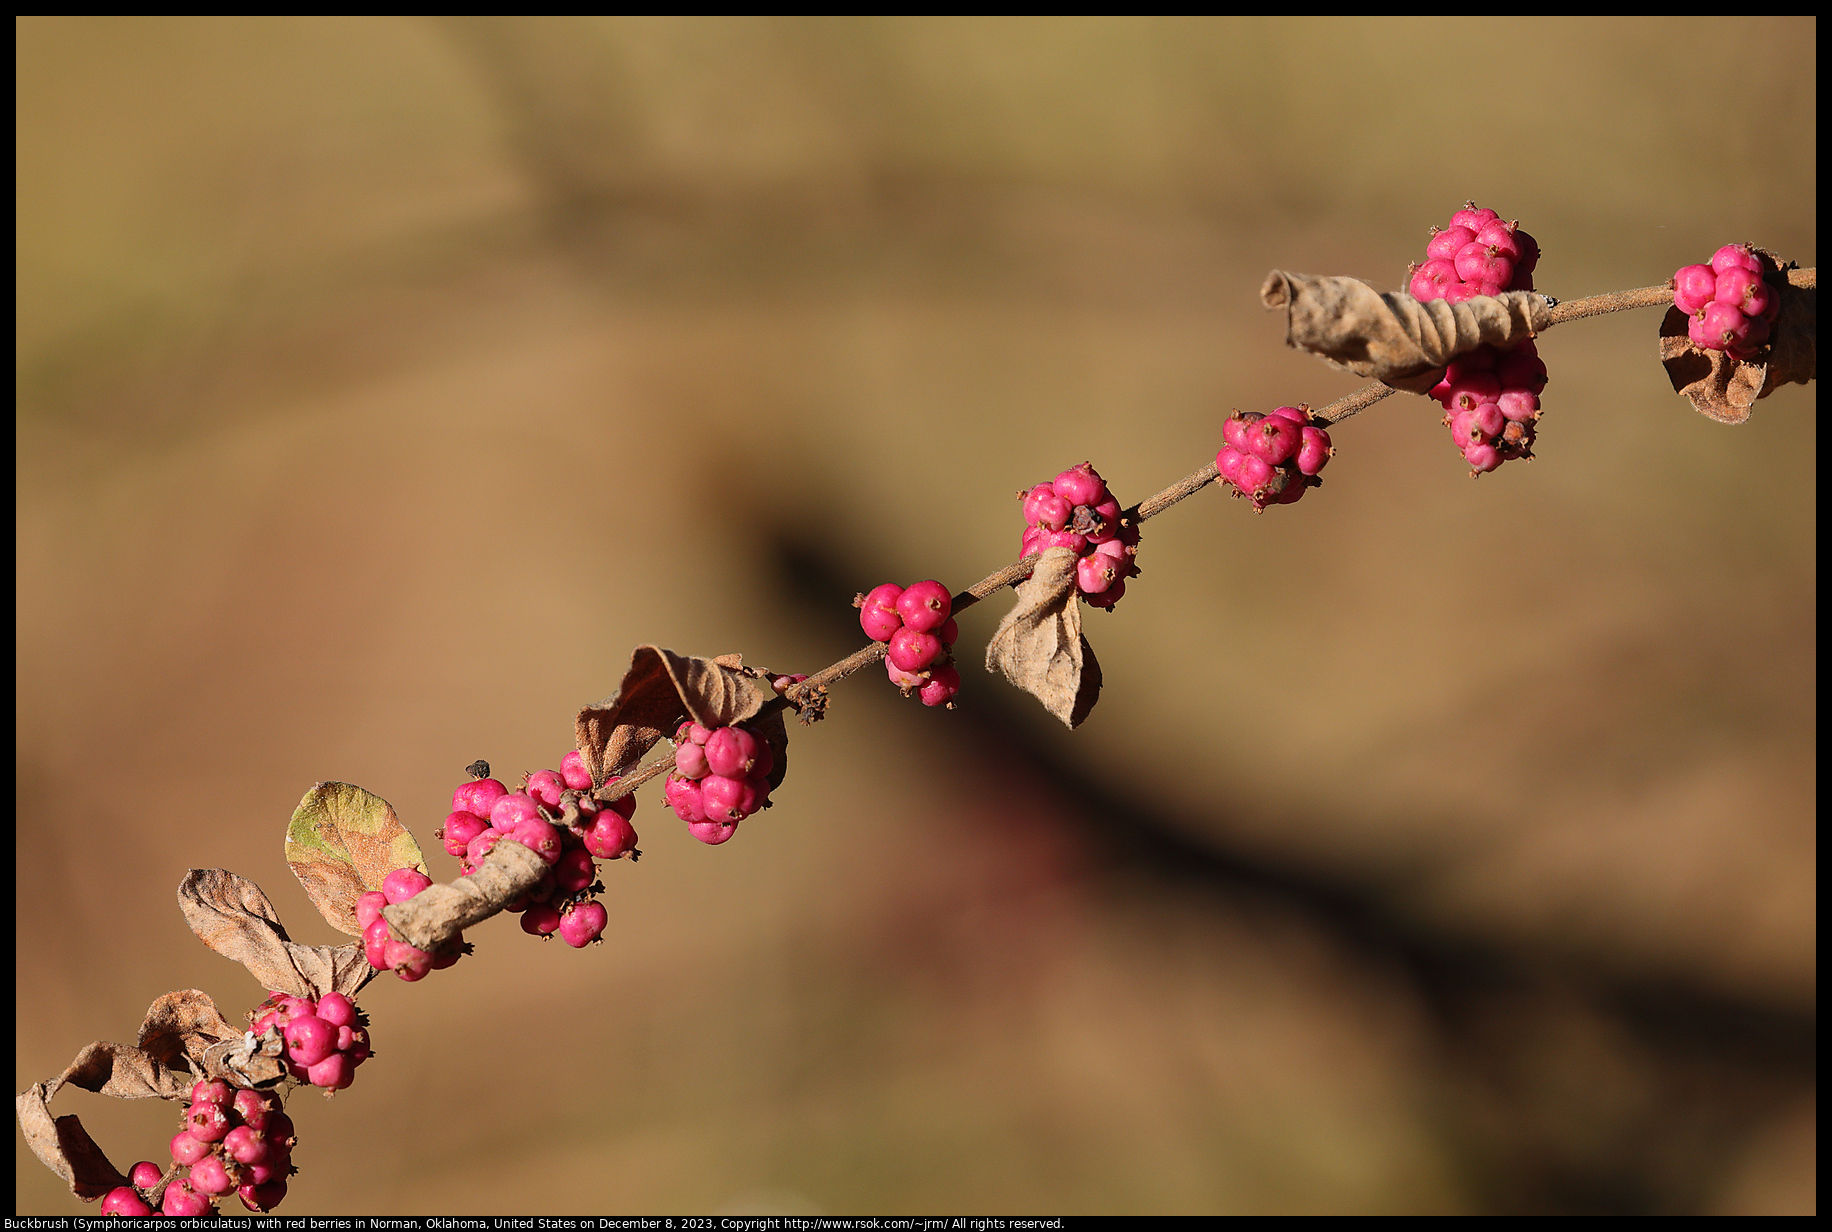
x=232 y=916
x=179 y=1029
x=1726 y=389
x=660 y=692
x=1039 y=646
x=341 y=842
x=1392 y=337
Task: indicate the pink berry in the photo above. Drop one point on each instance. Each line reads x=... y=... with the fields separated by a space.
x=623 y=806
x=1483 y=263
x=574 y=871
x=355 y=1045
x=546 y=786
x=513 y=809
x=1473 y=218
x=1465 y=389
x=1481 y=457
x=208 y=1176
x=732 y=751
x=540 y=919
x=911 y=651
x=541 y=837
x=207 y=1122
x=254 y=1107
x=144 y=1175
x=573 y=770
x=1461 y=292
x=1108 y=597
x=1031 y=542
x=211 y=1092
x=584 y=924
x=1499 y=235
x=182 y=1200
x=945 y=682
x=1717 y=324
x=1518 y=405
x=309 y=1040
x=1081 y=485
x=683 y=796
x=187 y=1149
x=1694 y=286
x=690 y=758
x=1234 y=432
x=1445 y=244
x=122 y=1200
x=611 y=836
x=478 y=796
x=902 y=679
x=481 y=846
x=1254 y=473
x=375 y=943
x=1314 y=450
x=1744 y=290
x=458 y=831
x=1094 y=573
x=1733 y=256
x=712 y=833
x=245 y=1145
x=407 y=962
x=334 y=1073
x=878 y=612
x=1050 y=511
x=403 y=883
x=263 y=1197
x=1433 y=279
x=924 y=606
x=727 y=799
x=369 y=906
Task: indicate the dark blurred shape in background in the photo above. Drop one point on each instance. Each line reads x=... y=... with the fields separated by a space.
x=1437 y=846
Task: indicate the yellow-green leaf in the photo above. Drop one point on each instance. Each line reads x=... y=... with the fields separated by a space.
x=341 y=842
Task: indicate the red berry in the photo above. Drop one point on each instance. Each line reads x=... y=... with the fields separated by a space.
x=245 y=1145
x=478 y=796
x=187 y=1149
x=878 y=612
x=573 y=770
x=513 y=809
x=611 y=836
x=263 y=1197
x=712 y=833
x=1732 y=256
x=924 y=605
x=459 y=829
x=540 y=919
x=309 y=1040
x=546 y=786
x=122 y=1200
x=913 y=651
x=403 y=883
x=1081 y=485
x=732 y=751
x=1445 y=244
x=1694 y=286
x=144 y=1175
x=584 y=924
x=181 y=1199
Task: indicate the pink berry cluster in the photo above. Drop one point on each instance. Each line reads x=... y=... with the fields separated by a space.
x=917 y=623
x=325 y=1039
x=1730 y=305
x=564 y=901
x=721 y=776
x=1273 y=459
x=1075 y=511
x=233 y=1141
x=380 y=946
x=1490 y=398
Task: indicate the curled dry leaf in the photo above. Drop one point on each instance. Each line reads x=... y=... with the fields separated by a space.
x=342 y=841
x=1039 y=646
x=182 y=1033
x=1726 y=389
x=1392 y=337
x=232 y=916
x=660 y=692
x=433 y=918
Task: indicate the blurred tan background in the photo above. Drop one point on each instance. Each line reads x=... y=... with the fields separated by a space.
x=1437 y=846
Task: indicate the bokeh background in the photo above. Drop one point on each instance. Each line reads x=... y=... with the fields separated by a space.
x=1437 y=845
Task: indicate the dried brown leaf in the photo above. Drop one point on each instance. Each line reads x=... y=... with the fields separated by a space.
x=1393 y=337
x=342 y=841
x=64 y=1146
x=232 y=916
x=660 y=692
x=1726 y=389
x=1039 y=646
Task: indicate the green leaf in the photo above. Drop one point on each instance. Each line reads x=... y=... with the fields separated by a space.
x=341 y=842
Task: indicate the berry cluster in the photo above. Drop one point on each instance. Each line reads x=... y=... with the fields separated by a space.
x=1490 y=398
x=721 y=776
x=325 y=1039
x=380 y=947
x=1730 y=305
x=563 y=901
x=1273 y=459
x=917 y=623
x=1075 y=511
x=233 y=1140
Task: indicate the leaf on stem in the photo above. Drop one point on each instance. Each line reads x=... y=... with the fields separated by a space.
x=1393 y=337
x=661 y=691
x=1039 y=646
x=1727 y=389
x=342 y=841
x=232 y=916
